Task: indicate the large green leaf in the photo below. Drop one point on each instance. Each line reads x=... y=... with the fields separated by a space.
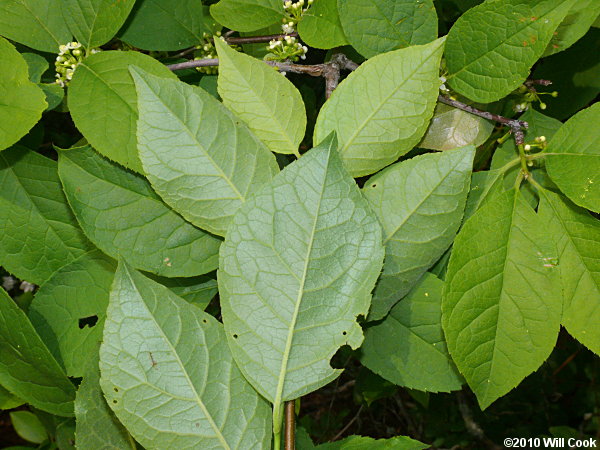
x=27 y=369
x=408 y=347
x=103 y=102
x=121 y=214
x=267 y=102
x=198 y=156
x=322 y=15
x=97 y=427
x=378 y=26
x=453 y=128
x=420 y=204
x=39 y=233
x=578 y=21
x=28 y=426
x=247 y=15
x=491 y=48
x=573 y=160
x=296 y=269
x=22 y=101
x=167 y=25
x=501 y=309
x=367 y=443
x=377 y=123
x=198 y=291
x=168 y=375
x=95 y=22
x=69 y=309
x=39 y=24
x=577 y=237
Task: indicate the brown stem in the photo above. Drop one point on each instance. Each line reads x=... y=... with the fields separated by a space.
x=516 y=126
x=343 y=430
x=257 y=39
x=290 y=425
x=473 y=427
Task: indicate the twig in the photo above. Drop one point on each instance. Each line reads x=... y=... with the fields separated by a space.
x=329 y=70
x=343 y=430
x=290 y=425
x=516 y=126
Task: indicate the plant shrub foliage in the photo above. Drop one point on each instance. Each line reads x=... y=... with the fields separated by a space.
x=403 y=211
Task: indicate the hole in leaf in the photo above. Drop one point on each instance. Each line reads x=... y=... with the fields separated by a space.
x=204 y=321
x=344 y=333
x=88 y=321
x=374 y=185
x=115 y=402
x=116 y=390
x=235 y=336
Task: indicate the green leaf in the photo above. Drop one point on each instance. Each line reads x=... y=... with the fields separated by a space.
x=453 y=128
x=296 y=269
x=168 y=375
x=420 y=204
x=578 y=21
x=36 y=66
x=491 y=48
x=38 y=24
x=22 y=101
x=378 y=122
x=573 y=160
x=484 y=185
x=121 y=214
x=408 y=347
x=501 y=309
x=575 y=76
x=198 y=156
x=27 y=369
x=198 y=291
x=97 y=426
x=39 y=233
x=247 y=15
x=577 y=237
x=8 y=401
x=364 y=443
x=166 y=26
x=267 y=102
x=322 y=15
x=378 y=26
x=103 y=102
x=69 y=309
x=54 y=94
x=95 y=22
x=28 y=426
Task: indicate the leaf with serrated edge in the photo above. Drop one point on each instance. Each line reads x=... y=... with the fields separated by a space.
x=577 y=237
x=420 y=204
x=22 y=101
x=38 y=24
x=94 y=22
x=365 y=442
x=168 y=375
x=297 y=267
x=197 y=155
x=267 y=102
x=452 y=128
x=377 y=123
x=408 y=347
x=322 y=15
x=247 y=15
x=76 y=291
x=27 y=369
x=166 y=25
x=573 y=160
x=39 y=232
x=378 y=26
x=121 y=214
x=491 y=48
x=500 y=309
x=103 y=102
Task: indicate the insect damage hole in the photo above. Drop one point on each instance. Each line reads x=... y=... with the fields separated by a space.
x=88 y=322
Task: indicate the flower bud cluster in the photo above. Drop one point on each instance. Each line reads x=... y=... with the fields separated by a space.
x=286 y=49
x=207 y=50
x=69 y=57
x=529 y=96
x=293 y=13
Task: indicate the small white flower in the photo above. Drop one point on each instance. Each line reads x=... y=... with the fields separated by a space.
x=527 y=147
x=26 y=286
x=283 y=73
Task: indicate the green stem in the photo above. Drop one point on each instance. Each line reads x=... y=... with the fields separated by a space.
x=523 y=157
x=277 y=422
